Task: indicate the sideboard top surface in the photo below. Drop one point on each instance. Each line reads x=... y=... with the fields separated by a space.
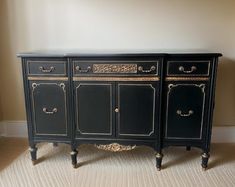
x=59 y=53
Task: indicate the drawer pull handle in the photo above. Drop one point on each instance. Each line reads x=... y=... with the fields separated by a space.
x=141 y=69
x=54 y=110
x=44 y=70
x=193 y=68
x=190 y=112
x=83 y=70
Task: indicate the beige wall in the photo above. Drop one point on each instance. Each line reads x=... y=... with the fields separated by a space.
x=124 y=25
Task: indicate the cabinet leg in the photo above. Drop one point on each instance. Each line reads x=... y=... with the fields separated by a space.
x=33 y=153
x=55 y=144
x=188 y=148
x=205 y=158
x=159 y=161
x=74 y=157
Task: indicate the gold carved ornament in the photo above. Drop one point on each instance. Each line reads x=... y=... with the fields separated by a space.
x=115 y=147
x=114 y=68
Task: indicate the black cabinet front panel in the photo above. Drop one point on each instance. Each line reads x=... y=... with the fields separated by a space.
x=94 y=108
x=185 y=110
x=49 y=105
x=136 y=104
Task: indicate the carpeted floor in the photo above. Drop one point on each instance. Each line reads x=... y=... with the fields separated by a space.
x=134 y=168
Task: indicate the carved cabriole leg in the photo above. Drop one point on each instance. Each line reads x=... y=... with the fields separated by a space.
x=159 y=161
x=205 y=158
x=74 y=157
x=33 y=152
x=188 y=148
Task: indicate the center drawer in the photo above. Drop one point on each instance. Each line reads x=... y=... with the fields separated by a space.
x=115 y=67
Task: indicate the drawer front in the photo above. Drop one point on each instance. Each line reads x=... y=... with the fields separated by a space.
x=49 y=108
x=112 y=68
x=185 y=108
x=48 y=68
x=188 y=68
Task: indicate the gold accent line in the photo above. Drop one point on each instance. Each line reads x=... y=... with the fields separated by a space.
x=48 y=78
x=186 y=78
x=116 y=79
x=115 y=147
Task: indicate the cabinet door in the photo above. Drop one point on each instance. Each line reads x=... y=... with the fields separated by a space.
x=49 y=108
x=136 y=112
x=94 y=108
x=185 y=108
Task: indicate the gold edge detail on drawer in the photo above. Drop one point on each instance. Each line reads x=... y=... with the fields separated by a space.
x=116 y=78
x=114 y=68
x=49 y=78
x=186 y=78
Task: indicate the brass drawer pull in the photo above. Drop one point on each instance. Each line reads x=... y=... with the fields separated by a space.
x=54 y=110
x=44 y=70
x=141 y=69
x=193 y=68
x=83 y=70
x=190 y=112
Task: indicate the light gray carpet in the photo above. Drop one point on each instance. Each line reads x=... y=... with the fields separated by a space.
x=134 y=168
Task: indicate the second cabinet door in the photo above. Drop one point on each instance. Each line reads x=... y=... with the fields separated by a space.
x=136 y=112
x=94 y=109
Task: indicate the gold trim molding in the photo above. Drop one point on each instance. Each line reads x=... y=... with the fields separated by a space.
x=186 y=78
x=115 y=147
x=114 y=68
x=48 y=78
x=116 y=79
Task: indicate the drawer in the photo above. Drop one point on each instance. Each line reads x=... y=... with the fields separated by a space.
x=188 y=68
x=115 y=68
x=185 y=108
x=48 y=68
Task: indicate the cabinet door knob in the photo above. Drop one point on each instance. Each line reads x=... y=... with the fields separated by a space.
x=116 y=110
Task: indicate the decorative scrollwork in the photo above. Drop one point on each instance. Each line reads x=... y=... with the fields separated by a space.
x=34 y=85
x=115 y=147
x=114 y=68
x=62 y=85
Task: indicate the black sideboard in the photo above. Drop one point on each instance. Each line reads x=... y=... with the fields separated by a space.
x=120 y=101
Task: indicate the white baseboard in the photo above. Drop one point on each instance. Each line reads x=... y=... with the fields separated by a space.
x=223 y=134
x=13 y=129
x=220 y=134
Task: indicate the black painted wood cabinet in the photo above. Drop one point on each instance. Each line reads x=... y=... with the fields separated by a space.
x=120 y=101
